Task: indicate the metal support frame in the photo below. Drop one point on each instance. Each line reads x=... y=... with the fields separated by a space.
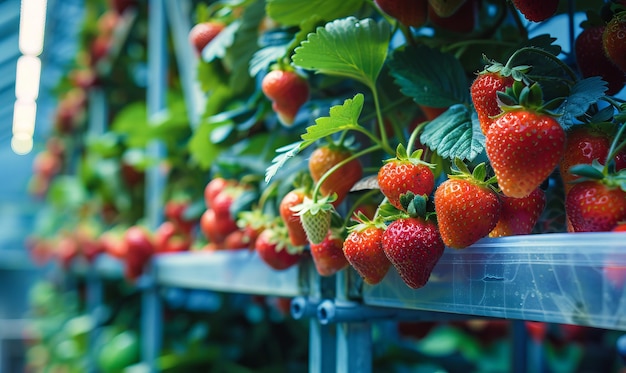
x=151 y=323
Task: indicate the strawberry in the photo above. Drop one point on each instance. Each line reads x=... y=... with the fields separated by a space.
x=174 y=211
x=537 y=10
x=315 y=217
x=592 y=60
x=584 y=144
x=494 y=78
x=466 y=205
x=139 y=249
x=363 y=249
x=620 y=227
x=169 y=238
x=288 y=91
x=595 y=206
x=342 y=179
x=238 y=240
x=613 y=40
x=446 y=8
x=297 y=235
x=457 y=18
x=216 y=228
x=272 y=246
x=414 y=246
x=201 y=34
x=252 y=223
x=524 y=145
x=224 y=199
x=411 y=13
x=404 y=174
x=328 y=256
x=519 y=215
x=214 y=187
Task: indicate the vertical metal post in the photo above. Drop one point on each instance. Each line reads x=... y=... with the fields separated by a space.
x=94 y=302
x=354 y=339
x=151 y=327
x=520 y=347
x=97 y=126
x=322 y=340
x=178 y=12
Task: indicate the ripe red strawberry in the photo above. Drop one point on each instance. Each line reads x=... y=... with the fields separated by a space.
x=214 y=187
x=620 y=227
x=288 y=91
x=203 y=33
x=224 y=199
x=297 y=235
x=408 y=12
x=584 y=144
x=537 y=10
x=484 y=93
x=467 y=207
x=328 y=256
x=404 y=174
x=252 y=223
x=216 y=228
x=614 y=42
x=168 y=238
x=592 y=60
x=595 y=206
x=342 y=179
x=413 y=246
x=519 y=215
x=273 y=248
x=364 y=250
x=139 y=249
x=174 y=211
x=524 y=146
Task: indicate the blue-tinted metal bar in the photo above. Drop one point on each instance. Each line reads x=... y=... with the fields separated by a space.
x=322 y=340
x=354 y=339
x=151 y=327
x=519 y=355
x=179 y=19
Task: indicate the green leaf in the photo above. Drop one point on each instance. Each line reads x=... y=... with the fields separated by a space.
x=264 y=57
x=454 y=134
x=429 y=76
x=346 y=47
x=342 y=117
x=543 y=41
x=552 y=74
x=286 y=152
x=67 y=192
x=218 y=46
x=201 y=149
x=294 y=12
x=584 y=93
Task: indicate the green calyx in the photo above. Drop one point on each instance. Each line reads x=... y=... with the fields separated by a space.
x=527 y=97
x=364 y=222
x=598 y=172
x=415 y=157
x=315 y=207
x=477 y=176
x=518 y=73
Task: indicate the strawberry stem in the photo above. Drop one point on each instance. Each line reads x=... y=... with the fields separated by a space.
x=616 y=147
x=545 y=54
x=413 y=137
x=381 y=125
x=366 y=196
